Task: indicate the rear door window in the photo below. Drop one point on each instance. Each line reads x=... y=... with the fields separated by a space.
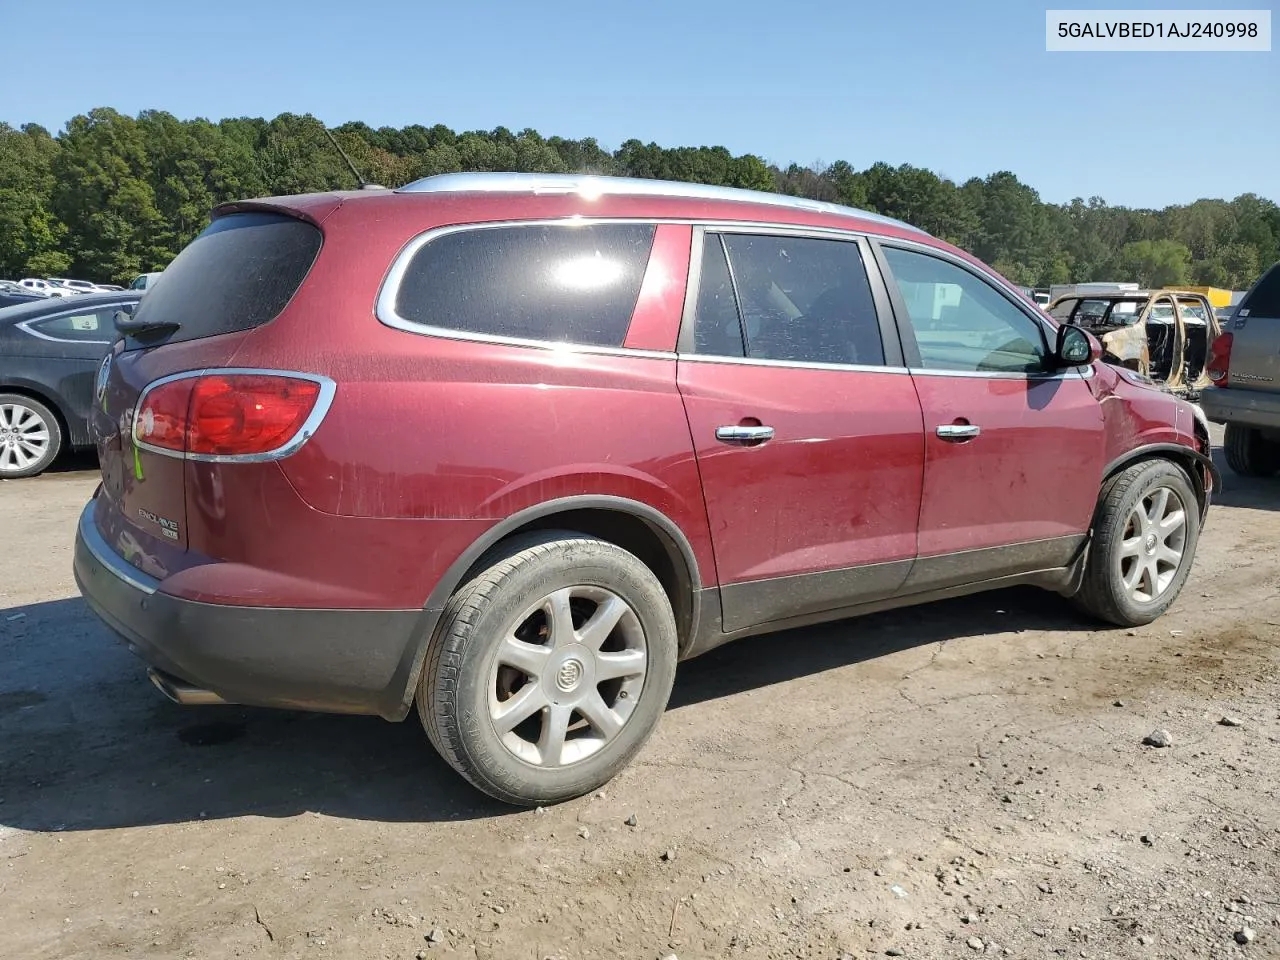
x=717 y=328
x=797 y=299
x=542 y=282
x=239 y=273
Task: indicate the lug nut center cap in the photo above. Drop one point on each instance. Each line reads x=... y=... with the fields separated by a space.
x=569 y=674
x=1150 y=543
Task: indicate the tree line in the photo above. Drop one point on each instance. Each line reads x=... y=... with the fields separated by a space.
x=112 y=195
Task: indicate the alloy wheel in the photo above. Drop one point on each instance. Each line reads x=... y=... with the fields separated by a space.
x=1152 y=546
x=567 y=676
x=24 y=437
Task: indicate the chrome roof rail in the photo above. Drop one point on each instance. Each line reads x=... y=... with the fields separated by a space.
x=591 y=185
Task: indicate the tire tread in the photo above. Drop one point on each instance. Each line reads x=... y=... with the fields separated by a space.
x=437 y=698
x=1249 y=453
x=1098 y=595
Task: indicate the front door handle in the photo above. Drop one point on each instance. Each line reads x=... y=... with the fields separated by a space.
x=744 y=434
x=959 y=432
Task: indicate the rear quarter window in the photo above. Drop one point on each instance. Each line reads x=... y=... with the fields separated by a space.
x=239 y=273
x=86 y=326
x=543 y=282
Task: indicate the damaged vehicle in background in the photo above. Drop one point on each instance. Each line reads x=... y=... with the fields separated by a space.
x=1162 y=335
x=1244 y=367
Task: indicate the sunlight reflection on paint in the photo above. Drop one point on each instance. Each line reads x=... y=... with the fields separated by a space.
x=591 y=190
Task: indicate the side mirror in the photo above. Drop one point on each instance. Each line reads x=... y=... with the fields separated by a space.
x=1076 y=347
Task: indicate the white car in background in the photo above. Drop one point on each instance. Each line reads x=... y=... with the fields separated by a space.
x=76 y=286
x=144 y=281
x=45 y=288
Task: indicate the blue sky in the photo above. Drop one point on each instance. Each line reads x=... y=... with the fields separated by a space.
x=959 y=87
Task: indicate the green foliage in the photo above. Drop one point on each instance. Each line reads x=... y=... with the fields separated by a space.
x=113 y=196
x=30 y=233
x=1154 y=263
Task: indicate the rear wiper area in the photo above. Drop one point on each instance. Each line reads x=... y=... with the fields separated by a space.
x=128 y=326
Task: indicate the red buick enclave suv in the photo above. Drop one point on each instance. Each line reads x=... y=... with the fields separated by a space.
x=513 y=445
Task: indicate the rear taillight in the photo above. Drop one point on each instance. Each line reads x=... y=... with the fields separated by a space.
x=231 y=414
x=1218 y=365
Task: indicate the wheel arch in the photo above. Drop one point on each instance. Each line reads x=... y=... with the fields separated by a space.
x=1199 y=468
x=643 y=530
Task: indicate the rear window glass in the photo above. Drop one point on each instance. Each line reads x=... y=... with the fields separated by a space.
x=238 y=274
x=1264 y=299
x=573 y=284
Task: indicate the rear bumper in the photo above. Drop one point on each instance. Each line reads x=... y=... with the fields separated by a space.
x=1254 y=408
x=341 y=661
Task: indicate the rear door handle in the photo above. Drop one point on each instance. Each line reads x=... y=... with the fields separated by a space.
x=956 y=432
x=744 y=435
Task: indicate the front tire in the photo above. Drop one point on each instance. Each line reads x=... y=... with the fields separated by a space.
x=30 y=436
x=1249 y=453
x=1144 y=543
x=550 y=669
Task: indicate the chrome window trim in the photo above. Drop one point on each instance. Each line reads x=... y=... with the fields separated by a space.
x=591 y=186
x=1084 y=372
x=309 y=426
x=385 y=305
x=791 y=364
x=27 y=325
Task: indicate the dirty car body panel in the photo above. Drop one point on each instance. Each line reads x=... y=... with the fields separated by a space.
x=767 y=483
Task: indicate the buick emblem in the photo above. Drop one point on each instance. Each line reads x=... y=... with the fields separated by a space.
x=569 y=674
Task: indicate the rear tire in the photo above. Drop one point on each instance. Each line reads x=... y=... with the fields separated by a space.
x=1144 y=543
x=30 y=436
x=1249 y=453
x=550 y=668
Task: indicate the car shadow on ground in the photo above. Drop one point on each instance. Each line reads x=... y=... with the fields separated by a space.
x=1254 y=493
x=74 y=461
x=86 y=742
x=767 y=659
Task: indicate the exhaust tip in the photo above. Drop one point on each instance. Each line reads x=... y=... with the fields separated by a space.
x=180 y=691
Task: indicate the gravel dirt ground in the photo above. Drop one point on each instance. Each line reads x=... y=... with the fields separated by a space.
x=960 y=779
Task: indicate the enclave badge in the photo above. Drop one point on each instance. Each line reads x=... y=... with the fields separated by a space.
x=168 y=527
